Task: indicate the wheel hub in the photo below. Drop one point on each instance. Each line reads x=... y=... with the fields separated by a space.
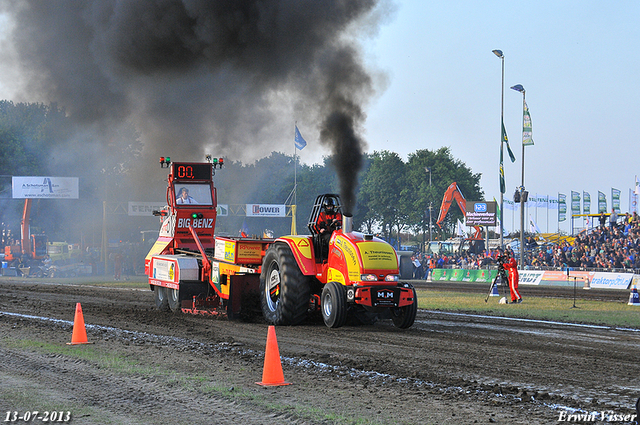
x=273 y=289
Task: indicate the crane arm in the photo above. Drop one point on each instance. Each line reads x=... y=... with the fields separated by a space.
x=453 y=193
x=25 y=241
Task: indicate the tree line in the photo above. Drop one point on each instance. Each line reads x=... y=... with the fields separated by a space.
x=393 y=194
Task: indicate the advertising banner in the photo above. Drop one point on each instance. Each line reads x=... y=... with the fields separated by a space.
x=266 y=210
x=530 y=277
x=575 y=203
x=481 y=213
x=602 y=202
x=562 y=207
x=486 y=276
x=222 y=210
x=598 y=280
x=144 y=208
x=633 y=201
x=527 y=140
x=611 y=280
x=615 y=200
x=44 y=187
x=586 y=203
x=458 y=275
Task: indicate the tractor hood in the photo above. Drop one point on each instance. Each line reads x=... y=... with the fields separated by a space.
x=355 y=254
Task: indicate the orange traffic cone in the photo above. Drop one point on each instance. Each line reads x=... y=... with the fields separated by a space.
x=272 y=372
x=79 y=335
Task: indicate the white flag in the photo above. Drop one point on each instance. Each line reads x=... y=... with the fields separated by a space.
x=460 y=229
x=533 y=227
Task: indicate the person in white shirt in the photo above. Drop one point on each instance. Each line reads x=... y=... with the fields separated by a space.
x=184 y=197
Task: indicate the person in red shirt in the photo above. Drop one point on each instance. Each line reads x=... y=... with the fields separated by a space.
x=329 y=219
x=512 y=267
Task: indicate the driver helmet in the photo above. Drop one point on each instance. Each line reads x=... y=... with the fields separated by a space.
x=329 y=205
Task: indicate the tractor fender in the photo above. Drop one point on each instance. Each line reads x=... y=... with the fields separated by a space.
x=302 y=248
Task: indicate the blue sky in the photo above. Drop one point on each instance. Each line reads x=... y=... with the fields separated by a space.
x=578 y=61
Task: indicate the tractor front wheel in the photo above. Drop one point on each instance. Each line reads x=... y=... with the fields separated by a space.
x=284 y=290
x=162 y=301
x=333 y=304
x=403 y=317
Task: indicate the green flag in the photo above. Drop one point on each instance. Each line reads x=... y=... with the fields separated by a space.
x=505 y=139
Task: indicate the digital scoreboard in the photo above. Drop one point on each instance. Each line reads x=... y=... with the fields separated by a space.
x=191 y=171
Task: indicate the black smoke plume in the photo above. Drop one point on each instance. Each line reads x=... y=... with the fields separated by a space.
x=205 y=76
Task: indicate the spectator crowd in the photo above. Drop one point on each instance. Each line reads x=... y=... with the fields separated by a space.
x=610 y=246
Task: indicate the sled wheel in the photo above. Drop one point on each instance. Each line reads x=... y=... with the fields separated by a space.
x=403 y=317
x=284 y=290
x=162 y=300
x=334 y=305
x=173 y=297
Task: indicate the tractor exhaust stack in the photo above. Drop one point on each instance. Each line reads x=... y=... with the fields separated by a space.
x=347 y=223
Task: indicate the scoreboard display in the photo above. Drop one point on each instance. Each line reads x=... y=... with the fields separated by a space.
x=191 y=171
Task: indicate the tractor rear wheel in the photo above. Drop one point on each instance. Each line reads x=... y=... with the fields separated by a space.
x=333 y=305
x=173 y=296
x=403 y=317
x=162 y=300
x=284 y=290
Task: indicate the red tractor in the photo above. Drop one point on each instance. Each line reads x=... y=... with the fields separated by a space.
x=346 y=273
x=340 y=272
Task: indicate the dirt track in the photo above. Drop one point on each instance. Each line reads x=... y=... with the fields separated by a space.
x=186 y=369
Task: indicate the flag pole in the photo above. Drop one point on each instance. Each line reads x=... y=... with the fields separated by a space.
x=295 y=182
x=298 y=140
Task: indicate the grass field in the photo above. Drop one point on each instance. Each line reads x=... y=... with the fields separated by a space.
x=608 y=313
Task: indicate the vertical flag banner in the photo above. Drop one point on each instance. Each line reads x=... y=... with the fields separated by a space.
x=527 y=139
x=633 y=201
x=552 y=203
x=562 y=207
x=586 y=203
x=602 y=202
x=502 y=185
x=575 y=203
x=615 y=199
x=505 y=139
x=299 y=140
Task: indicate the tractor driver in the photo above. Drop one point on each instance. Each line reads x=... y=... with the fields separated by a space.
x=329 y=219
x=184 y=197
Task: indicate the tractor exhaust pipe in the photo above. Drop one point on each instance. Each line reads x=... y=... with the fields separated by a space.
x=347 y=223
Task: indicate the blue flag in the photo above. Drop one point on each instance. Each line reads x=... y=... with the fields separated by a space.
x=244 y=230
x=299 y=141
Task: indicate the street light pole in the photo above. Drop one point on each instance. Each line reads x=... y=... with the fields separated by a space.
x=428 y=170
x=499 y=54
x=518 y=87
